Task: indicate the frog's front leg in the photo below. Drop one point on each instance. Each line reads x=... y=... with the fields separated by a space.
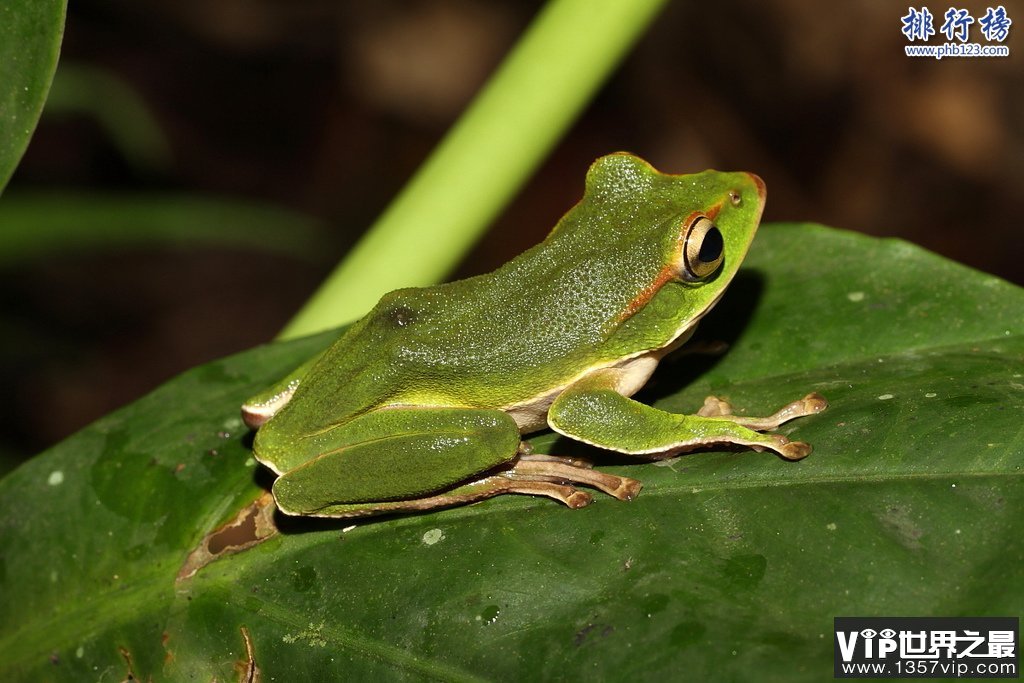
x=593 y=411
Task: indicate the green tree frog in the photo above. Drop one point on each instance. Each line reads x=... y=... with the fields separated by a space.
x=423 y=403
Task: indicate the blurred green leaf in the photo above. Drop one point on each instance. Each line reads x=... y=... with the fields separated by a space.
x=728 y=566
x=30 y=35
x=32 y=225
x=123 y=115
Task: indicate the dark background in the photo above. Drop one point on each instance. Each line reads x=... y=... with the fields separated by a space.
x=327 y=106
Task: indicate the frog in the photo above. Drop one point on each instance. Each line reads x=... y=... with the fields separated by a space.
x=426 y=401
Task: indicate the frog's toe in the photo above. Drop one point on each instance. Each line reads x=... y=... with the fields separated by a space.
x=714 y=407
x=627 y=490
x=579 y=499
x=622 y=488
x=793 y=450
x=570 y=496
x=813 y=403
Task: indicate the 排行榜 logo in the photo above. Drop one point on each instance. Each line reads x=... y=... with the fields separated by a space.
x=964 y=34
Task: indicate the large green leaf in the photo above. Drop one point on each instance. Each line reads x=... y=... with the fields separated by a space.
x=41 y=224
x=728 y=566
x=30 y=35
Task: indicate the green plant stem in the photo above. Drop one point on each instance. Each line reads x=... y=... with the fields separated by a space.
x=537 y=92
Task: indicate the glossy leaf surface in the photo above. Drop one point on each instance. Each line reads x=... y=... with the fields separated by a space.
x=30 y=36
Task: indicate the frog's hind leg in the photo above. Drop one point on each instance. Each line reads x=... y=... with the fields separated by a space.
x=535 y=475
x=539 y=474
x=472 y=492
x=387 y=457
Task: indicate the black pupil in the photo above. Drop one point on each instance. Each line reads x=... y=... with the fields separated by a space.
x=711 y=247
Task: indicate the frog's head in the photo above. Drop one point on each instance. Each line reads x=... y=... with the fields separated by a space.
x=684 y=236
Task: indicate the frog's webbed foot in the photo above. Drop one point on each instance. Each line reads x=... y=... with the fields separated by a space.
x=539 y=467
x=513 y=481
x=553 y=476
x=535 y=474
x=808 y=405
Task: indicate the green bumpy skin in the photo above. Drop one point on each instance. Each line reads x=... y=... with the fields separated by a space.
x=421 y=403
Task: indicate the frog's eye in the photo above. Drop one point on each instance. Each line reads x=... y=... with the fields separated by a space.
x=703 y=250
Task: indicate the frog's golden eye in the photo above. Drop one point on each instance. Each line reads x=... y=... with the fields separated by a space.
x=703 y=250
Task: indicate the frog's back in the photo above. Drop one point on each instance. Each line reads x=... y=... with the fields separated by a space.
x=539 y=320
